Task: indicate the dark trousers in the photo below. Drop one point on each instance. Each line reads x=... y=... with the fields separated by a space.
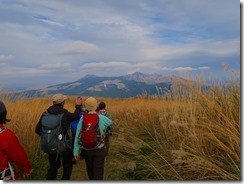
x=107 y=144
x=95 y=163
x=55 y=163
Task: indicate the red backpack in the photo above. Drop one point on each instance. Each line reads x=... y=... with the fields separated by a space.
x=90 y=136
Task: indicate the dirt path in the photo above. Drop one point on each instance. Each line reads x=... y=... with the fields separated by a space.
x=79 y=171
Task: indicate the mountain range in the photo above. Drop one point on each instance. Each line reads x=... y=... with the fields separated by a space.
x=131 y=85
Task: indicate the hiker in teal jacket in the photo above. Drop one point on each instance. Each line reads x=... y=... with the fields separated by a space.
x=101 y=109
x=94 y=157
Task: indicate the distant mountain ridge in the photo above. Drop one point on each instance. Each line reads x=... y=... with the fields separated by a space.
x=130 y=85
x=151 y=78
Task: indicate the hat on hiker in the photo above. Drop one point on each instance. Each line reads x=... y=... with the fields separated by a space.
x=91 y=104
x=58 y=98
x=2 y=107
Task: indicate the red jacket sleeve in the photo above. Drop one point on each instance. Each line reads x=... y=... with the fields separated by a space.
x=17 y=155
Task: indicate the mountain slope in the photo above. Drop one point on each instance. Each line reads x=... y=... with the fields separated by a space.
x=115 y=87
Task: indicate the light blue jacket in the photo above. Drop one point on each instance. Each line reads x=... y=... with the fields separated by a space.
x=104 y=122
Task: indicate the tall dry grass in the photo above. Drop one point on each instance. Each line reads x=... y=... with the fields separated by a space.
x=185 y=135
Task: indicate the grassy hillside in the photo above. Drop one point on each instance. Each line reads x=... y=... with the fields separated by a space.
x=185 y=135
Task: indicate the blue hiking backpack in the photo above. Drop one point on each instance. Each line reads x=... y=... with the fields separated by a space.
x=73 y=125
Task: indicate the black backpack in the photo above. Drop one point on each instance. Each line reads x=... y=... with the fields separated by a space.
x=53 y=139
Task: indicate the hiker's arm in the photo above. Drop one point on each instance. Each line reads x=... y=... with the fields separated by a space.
x=108 y=116
x=105 y=122
x=18 y=156
x=78 y=109
x=110 y=127
x=38 y=129
x=76 y=142
x=76 y=115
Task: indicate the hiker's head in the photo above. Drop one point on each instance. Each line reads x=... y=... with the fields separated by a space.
x=91 y=104
x=3 y=113
x=58 y=99
x=102 y=105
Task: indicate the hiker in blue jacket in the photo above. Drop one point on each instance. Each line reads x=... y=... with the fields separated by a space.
x=73 y=125
x=94 y=156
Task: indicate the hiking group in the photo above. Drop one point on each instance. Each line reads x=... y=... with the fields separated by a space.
x=90 y=126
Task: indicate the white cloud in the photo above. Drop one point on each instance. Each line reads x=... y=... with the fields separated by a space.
x=124 y=67
x=204 y=68
x=4 y=58
x=51 y=22
x=214 y=48
x=21 y=72
x=79 y=47
x=190 y=68
x=106 y=65
x=107 y=37
x=222 y=48
x=55 y=66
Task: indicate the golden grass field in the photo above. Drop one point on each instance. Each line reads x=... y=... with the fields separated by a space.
x=184 y=135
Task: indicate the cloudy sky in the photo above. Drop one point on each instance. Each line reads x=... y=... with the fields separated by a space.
x=56 y=41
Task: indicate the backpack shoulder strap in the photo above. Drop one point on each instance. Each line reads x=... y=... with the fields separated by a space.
x=45 y=113
x=48 y=113
x=2 y=130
